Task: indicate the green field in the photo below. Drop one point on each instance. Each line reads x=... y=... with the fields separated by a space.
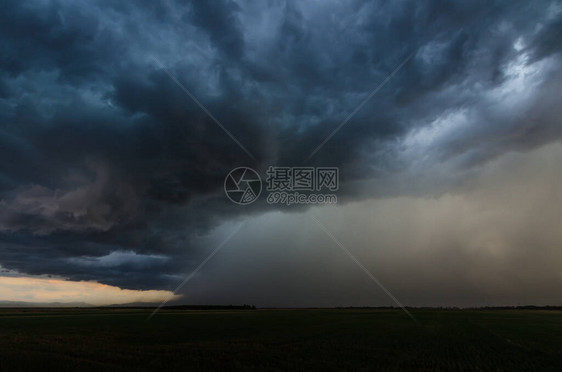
x=121 y=339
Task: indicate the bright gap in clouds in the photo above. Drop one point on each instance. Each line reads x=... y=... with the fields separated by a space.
x=47 y=290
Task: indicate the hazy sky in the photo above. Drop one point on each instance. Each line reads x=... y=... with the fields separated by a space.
x=111 y=176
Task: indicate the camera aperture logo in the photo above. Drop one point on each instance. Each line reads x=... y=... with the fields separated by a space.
x=285 y=185
x=242 y=185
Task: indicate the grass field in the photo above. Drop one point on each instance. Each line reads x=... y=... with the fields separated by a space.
x=121 y=339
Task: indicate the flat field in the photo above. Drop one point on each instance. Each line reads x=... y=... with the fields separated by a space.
x=258 y=340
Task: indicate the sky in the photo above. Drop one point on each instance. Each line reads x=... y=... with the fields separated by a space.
x=120 y=121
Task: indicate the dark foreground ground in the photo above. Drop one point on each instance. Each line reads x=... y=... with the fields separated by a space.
x=119 y=339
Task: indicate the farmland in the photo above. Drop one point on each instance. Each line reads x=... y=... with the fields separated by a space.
x=308 y=339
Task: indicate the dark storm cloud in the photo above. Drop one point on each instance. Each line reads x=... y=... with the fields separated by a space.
x=102 y=152
x=217 y=18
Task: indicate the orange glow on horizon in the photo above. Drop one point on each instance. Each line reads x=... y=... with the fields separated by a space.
x=29 y=289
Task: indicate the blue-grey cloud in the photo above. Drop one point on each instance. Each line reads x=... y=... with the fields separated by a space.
x=102 y=152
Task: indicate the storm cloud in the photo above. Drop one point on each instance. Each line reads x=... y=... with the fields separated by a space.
x=110 y=172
